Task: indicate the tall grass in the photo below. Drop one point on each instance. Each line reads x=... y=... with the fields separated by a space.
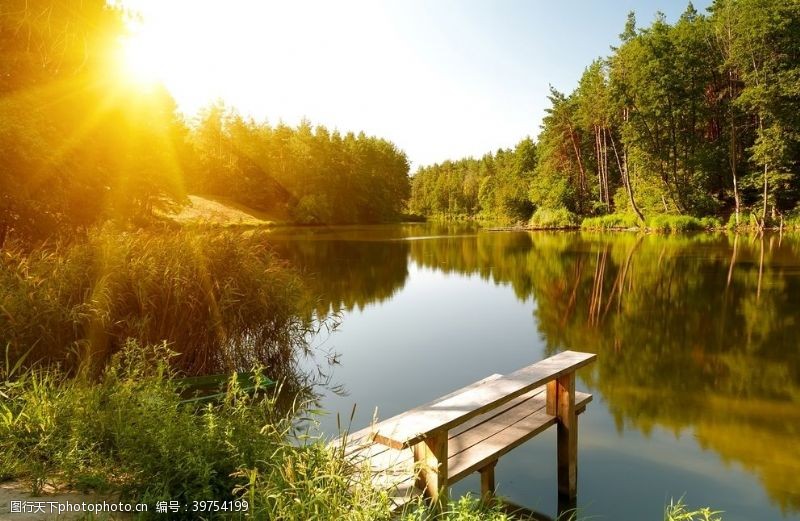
x=678 y=511
x=610 y=222
x=127 y=433
x=222 y=300
x=553 y=219
x=663 y=223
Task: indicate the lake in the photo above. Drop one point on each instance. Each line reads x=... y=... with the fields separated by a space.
x=697 y=383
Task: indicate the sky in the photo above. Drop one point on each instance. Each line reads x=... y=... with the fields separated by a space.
x=442 y=79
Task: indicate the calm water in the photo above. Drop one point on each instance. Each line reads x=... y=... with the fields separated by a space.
x=697 y=383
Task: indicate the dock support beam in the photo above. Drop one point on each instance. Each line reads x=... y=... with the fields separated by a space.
x=487 y=481
x=430 y=457
x=561 y=403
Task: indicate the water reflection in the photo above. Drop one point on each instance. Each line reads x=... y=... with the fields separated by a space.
x=695 y=333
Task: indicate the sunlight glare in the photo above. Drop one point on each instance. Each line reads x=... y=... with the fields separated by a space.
x=141 y=61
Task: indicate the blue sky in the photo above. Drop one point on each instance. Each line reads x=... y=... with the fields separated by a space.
x=440 y=78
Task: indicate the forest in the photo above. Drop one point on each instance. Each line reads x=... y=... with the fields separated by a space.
x=698 y=118
x=82 y=144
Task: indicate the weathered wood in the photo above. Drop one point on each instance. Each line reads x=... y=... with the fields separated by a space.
x=461 y=459
x=487 y=481
x=367 y=433
x=420 y=422
x=475 y=441
x=567 y=436
x=506 y=438
x=430 y=458
x=552 y=397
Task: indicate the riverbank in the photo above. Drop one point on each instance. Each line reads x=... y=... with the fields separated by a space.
x=658 y=223
x=224 y=252
x=127 y=438
x=224 y=212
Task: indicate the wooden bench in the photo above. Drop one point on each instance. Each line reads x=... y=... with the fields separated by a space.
x=427 y=448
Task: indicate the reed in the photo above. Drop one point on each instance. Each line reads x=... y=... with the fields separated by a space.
x=221 y=299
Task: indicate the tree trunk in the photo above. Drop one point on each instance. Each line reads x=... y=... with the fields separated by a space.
x=605 y=169
x=736 y=198
x=626 y=180
x=577 y=155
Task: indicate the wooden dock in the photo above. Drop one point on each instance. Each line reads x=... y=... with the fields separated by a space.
x=426 y=449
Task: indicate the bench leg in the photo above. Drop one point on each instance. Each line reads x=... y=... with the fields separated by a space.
x=487 y=481
x=430 y=457
x=561 y=403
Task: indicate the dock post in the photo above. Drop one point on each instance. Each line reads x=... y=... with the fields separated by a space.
x=561 y=403
x=430 y=455
x=487 y=481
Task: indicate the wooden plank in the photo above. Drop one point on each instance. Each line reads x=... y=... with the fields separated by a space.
x=418 y=423
x=398 y=463
x=368 y=432
x=494 y=413
x=504 y=439
x=490 y=428
x=493 y=447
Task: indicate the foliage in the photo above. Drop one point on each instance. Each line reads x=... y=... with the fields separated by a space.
x=465 y=508
x=128 y=433
x=674 y=223
x=221 y=299
x=493 y=187
x=697 y=118
x=80 y=144
x=558 y=218
x=301 y=174
x=611 y=221
x=678 y=511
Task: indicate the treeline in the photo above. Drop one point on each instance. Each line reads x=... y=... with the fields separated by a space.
x=700 y=117
x=493 y=187
x=303 y=174
x=82 y=144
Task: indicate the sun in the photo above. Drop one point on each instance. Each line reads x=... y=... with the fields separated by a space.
x=140 y=61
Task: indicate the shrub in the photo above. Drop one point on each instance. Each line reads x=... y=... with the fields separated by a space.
x=611 y=221
x=128 y=431
x=558 y=218
x=711 y=223
x=674 y=223
x=223 y=300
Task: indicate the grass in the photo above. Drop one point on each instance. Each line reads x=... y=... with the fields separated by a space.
x=678 y=511
x=127 y=434
x=674 y=223
x=553 y=219
x=611 y=222
x=221 y=211
x=222 y=299
x=661 y=223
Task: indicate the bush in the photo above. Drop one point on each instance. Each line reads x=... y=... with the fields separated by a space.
x=674 y=223
x=558 y=218
x=711 y=223
x=223 y=300
x=611 y=221
x=128 y=433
